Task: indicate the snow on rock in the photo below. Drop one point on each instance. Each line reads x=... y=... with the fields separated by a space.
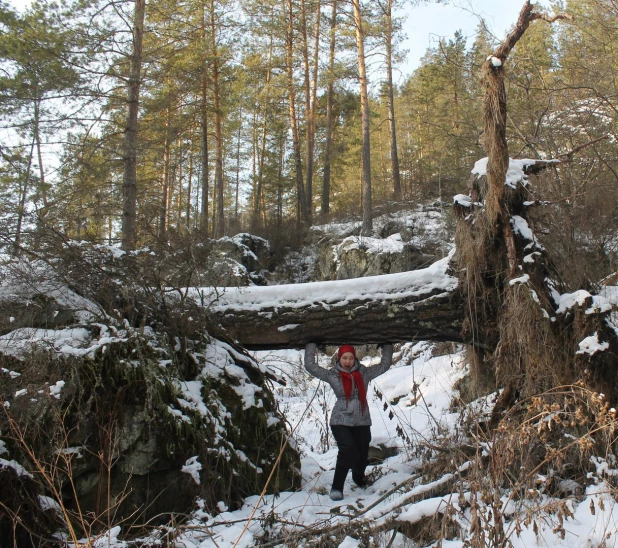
x=591 y=345
x=192 y=467
x=338 y=229
x=77 y=341
x=48 y=503
x=335 y=293
x=390 y=244
x=27 y=280
x=18 y=468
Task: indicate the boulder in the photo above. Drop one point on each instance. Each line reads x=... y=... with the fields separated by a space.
x=137 y=422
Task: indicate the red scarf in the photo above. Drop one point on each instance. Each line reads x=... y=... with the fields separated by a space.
x=346 y=380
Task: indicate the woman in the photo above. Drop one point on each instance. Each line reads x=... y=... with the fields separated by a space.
x=350 y=421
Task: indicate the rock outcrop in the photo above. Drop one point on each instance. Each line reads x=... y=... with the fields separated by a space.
x=134 y=422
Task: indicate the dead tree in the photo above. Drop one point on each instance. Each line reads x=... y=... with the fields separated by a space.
x=420 y=305
x=534 y=334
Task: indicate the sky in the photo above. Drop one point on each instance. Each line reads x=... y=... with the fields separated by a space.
x=428 y=23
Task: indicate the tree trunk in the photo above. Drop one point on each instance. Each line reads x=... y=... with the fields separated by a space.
x=179 y=195
x=309 y=104
x=165 y=180
x=219 y=225
x=189 y=188
x=204 y=127
x=391 y=103
x=237 y=170
x=330 y=92
x=22 y=202
x=367 y=226
x=37 y=134
x=298 y=164
x=255 y=221
x=129 y=180
x=260 y=318
x=204 y=170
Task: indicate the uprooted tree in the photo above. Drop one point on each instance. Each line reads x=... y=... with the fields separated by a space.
x=526 y=331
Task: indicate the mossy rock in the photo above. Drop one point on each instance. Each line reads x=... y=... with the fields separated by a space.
x=131 y=415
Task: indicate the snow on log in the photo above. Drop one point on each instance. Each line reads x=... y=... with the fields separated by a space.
x=416 y=305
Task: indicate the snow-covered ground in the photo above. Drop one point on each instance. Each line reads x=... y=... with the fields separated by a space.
x=412 y=400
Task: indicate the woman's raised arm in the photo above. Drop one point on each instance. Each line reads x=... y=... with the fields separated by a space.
x=311 y=365
x=384 y=365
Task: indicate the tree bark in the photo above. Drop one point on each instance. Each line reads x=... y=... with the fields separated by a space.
x=218 y=229
x=37 y=134
x=22 y=203
x=298 y=165
x=129 y=180
x=330 y=92
x=255 y=220
x=391 y=102
x=237 y=170
x=433 y=316
x=165 y=181
x=367 y=226
x=204 y=130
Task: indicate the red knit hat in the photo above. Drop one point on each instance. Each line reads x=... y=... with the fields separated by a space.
x=345 y=348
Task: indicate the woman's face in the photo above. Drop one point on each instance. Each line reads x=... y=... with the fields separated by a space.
x=347 y=360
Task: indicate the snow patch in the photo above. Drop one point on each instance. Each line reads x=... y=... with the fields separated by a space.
x=591 y=345
x=334 y=293
x=56 y=389
x=521 y=280
x=462 y=200
x=515 y=173
x=192 y=467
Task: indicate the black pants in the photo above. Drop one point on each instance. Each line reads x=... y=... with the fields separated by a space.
x=353 y=443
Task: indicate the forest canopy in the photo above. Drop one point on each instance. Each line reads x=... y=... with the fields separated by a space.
x=249 y=116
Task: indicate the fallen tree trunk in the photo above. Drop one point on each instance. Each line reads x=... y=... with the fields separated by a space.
x=418 y=305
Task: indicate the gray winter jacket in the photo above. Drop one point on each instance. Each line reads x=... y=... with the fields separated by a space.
x=348 y=413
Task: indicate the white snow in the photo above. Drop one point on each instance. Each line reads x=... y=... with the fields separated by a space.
x=462 y=200
x=288 y=327
x=521 y=280
x=566 y=301
x=332 y=293
x=390 y=244
x=349 y=542
x=591 y=345
x=515 y=173
x=193 y=467
x=56 y=389
x=77 y=341
x=18 y=468
x=48 y=503
x=520 y=226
